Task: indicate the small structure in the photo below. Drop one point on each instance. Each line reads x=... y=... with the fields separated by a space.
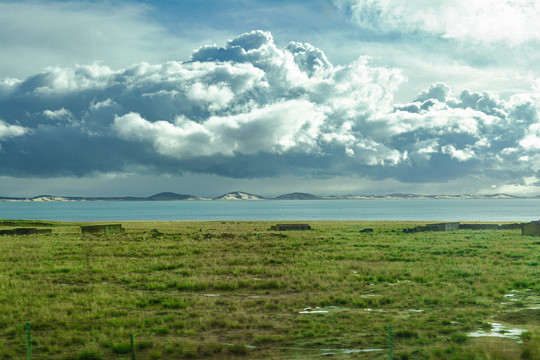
x=450 y=226
x=283 y=227
x=511 y=226
x=102 y=229
x=25 y=231
x=532 y=228
x=479 y=226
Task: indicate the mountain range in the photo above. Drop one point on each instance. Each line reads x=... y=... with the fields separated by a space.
x=240 y=195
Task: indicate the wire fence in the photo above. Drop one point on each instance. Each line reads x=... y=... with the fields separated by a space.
x=129 y=349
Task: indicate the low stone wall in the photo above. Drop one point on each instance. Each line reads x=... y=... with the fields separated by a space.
x=102 y=229
x=456 y=225
x=532 y=228
x=450 y=226
x=511 y=226
x=25 y=231
x=479 y=226
x=283 y=227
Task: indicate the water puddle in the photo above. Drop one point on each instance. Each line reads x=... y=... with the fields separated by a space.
x=499 y=330
x=309 y=310
x=332 y=352
x=246 y=346
x=231 y=295
x=311 y=353
x=370 y=309
x=524 y=298
x=319 y=310
x=366 y=296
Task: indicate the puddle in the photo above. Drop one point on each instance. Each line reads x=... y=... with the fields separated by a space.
x=319 y=310
x=370 y=309
x=231 y=295
x=399 y=282
x=499 y=330
x=337 y=309
x=332 y=352
x=528 y=298
x=369 y=295
x=309 y=310
x=510 y=297
x=246 y=346
x=310 y=353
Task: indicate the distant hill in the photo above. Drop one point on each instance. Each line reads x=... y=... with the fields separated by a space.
x=164 y=196
x=502 y=196
x=239 y=195
x=49 y=198
x=297 y=196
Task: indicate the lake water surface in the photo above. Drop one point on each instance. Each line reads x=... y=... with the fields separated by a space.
x=403 y=210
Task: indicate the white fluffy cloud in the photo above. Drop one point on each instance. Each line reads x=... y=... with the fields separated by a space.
x=276 y=128
x=250 y=109
x=508 y=21
x=8 y=131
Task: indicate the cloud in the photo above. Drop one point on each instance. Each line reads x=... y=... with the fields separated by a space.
x=438 y=91
x=250 y=109
x=499 y=21
x=276 y=128
x=460 y=155
x=8 y=131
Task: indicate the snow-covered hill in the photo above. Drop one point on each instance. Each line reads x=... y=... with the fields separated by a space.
x=238 y=195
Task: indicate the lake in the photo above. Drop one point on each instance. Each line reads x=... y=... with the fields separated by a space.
x=399 y=210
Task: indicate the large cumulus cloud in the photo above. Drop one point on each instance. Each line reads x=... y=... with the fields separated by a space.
x=251 y=109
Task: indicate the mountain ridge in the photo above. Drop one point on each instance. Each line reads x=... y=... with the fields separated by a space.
x=297 y=196
x=245 y=196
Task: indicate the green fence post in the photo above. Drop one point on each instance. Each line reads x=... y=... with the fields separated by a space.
x=133 y=347
x=28 y=342
x=390 y=342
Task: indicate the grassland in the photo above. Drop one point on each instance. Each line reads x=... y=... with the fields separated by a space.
x=238 y=290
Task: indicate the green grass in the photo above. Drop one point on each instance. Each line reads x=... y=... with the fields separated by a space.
x=236 y=290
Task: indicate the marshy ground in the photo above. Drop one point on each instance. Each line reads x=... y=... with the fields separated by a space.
x=239 y=290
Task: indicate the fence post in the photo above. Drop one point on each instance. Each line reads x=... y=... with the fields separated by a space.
x=28 y=342
x=390 y=342
x=133 y=347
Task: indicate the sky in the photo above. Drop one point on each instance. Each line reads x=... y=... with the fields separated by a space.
x=133 y=98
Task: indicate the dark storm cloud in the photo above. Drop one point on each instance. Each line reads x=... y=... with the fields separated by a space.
x=250 y=109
